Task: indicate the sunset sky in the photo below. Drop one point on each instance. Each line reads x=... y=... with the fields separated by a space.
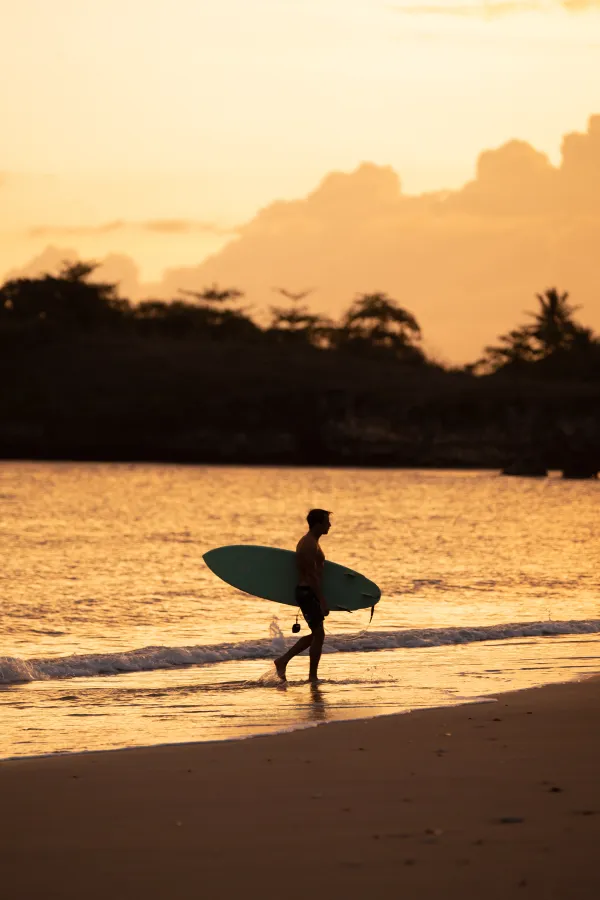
x=154 y=129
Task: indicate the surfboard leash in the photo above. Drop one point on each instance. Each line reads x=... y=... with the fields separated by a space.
x=343 y=609
x=355 y=637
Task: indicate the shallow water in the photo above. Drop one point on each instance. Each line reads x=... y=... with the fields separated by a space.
x=102 y=561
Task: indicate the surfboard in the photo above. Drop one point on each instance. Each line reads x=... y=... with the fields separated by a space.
x=270 y=573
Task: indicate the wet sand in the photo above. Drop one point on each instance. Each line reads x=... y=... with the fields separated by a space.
x=493 y=800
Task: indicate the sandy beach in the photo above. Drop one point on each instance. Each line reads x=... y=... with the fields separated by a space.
x=489 y=800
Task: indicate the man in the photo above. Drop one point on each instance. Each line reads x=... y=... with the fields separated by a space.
x=310 y=560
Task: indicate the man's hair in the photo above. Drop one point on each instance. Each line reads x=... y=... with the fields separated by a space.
x=316 y=517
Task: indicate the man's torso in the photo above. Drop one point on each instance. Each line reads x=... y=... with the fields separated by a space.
x=310 y=559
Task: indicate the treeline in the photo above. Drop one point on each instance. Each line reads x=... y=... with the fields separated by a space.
x=374 y=324
x=553 y=344
x=86 y=374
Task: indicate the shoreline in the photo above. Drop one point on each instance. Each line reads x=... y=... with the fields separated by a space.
x=496 y=799
x=216 y=742
x=215 y=461
x=484 y=699
x=506 y=466
x=366 y=714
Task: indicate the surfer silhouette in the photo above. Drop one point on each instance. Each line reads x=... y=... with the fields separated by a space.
x=310 y=561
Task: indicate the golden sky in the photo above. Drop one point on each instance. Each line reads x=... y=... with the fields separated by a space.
x=152 y=128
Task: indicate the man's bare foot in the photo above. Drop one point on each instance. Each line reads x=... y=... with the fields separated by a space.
x=280 y=668
x=314 y=679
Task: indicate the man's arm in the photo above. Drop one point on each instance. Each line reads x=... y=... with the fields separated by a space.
x=309 y=569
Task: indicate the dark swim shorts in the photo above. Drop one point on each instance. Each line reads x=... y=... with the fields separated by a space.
x=310 y=607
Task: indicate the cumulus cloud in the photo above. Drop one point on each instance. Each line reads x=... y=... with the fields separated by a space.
x=516 y=179
x=49 y=261
x=115 y=268
x=466 y=262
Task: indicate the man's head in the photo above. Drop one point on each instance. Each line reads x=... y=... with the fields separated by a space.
x=318 y=521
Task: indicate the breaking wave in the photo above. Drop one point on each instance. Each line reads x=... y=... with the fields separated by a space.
x=14 y=670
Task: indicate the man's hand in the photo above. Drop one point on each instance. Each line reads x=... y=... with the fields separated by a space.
x=324 y=608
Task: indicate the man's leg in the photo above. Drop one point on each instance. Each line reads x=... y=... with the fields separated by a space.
x=318 y=636
x=300 y=645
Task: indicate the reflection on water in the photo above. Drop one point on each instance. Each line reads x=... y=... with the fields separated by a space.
x=234 y=700
x=317 y=706
x=106 y=559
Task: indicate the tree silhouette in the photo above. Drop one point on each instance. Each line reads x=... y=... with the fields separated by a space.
x=296 y=322
x=515 y=348
x=67 y=299
x=174 y=318
x=376 y=322
x=554 y=326
x=210 y=312
x=212 y=295
x=552 y=334
x=291 y=295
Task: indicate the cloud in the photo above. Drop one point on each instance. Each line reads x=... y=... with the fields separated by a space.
x=469 y=10
x=494 y=9
x=580 y=5
x=465 y=262
x=518 y=180
x=116 y=268
x=186 y=226
x=74 y=230
x=120 y=269
x=49 y=262
x=163 y=226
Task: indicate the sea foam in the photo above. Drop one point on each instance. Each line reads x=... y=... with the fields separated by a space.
x=14 y=670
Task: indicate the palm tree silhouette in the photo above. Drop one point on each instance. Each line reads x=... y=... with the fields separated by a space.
x=553 y=331
x=553 y=327
x=292 y=296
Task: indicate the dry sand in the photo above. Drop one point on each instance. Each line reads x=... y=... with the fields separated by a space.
x=484 y=801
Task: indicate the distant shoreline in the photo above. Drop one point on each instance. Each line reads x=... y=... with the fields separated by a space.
x=375 y=463
x=184 y=460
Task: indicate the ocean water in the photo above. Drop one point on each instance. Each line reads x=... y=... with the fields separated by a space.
x=113 y=632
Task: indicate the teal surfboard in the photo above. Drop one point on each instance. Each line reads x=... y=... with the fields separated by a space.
x=271 y=573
